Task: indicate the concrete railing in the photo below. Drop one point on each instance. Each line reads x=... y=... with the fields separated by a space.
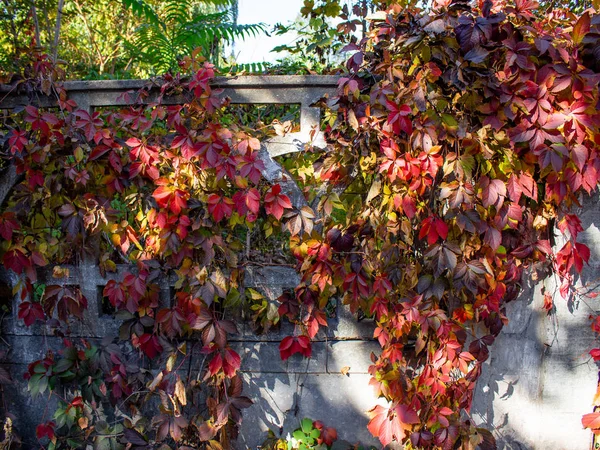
x=303 y=90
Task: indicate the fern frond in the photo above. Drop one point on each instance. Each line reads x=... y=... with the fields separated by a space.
x=255 y=67
x=225 y=31
x=177 y=11
x=210 y=18
x=221 y=3
x=143 y=9
x=155 y=47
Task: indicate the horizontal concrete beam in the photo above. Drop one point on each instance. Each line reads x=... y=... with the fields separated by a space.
x=245 y=81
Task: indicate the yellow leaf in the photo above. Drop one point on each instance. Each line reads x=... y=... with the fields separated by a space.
x=596 y=401
x=180 y=392
x=79 y=155
x=83 y=422
x=254 y=295
x=156 y=381
x=374 y=191
x=60 y=272
x=214 y=445
x=171 y=361
x=352 y=120
x=344 y=370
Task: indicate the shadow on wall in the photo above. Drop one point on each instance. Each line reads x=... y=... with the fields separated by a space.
x=283 y=400
x=285 y=392
x=540 y=379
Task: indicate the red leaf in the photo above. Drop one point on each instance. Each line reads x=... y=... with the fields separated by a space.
x=30 y=312
x=297 y=344
x=581 y=254
x=328 y=434
x=579 y=155
x=493 y=238
x=215 y=365
x=493 y=192
x=591 y=420
x=276 y=202
x=572 y=223
x=389 y=424
x=434 y=228
x=45 y=430
x=8 y=225
x=548 y=302
x=251 y=167
x=595 y=353
x=528 y=185
x=247 y=201
x=595 y=325
x=514 y=188
x=17 y=141
x=170 y=197
x=285 y=347
x=581 y=28
x=150 y=345
x=115 y=293
x=409 y=206
x=398 y=119
x=16 y=260
x=220 y=207
x=231 y=362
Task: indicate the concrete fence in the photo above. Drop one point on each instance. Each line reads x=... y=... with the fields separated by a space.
x=534 y=389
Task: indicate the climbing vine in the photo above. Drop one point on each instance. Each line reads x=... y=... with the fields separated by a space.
x=459 y=139
x=169 y=191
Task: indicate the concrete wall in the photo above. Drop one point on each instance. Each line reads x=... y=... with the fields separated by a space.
x=284 y=392
x=540 y=379
x=538 y=382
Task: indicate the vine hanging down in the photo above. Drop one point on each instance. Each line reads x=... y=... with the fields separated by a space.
x=458 y=139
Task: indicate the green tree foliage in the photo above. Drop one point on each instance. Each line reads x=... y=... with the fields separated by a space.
x=115 y=38
x=91 y=38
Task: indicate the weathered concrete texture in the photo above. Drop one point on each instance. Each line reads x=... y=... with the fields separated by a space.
x=285 y=392
x=8 y=178
x=539 y=379
x=337 y=400
x=267 y=89
x=313 y=387
x=27 y=411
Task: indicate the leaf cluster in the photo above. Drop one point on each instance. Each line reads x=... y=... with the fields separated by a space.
x=459 y=136
x=157 y=193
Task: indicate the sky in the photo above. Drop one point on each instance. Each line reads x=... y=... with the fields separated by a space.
x=268 y=12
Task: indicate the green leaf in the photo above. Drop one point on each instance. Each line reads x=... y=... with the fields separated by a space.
x=141 y=8
x=306 y=425
x=299 y=435
x=449 y=120
x=63 y=365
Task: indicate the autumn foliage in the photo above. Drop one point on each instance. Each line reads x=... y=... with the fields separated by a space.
x=459 y=138
x=165 y=190
x=470 y=132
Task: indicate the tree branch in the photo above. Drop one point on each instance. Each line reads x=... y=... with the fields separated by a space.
x=57 y=29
